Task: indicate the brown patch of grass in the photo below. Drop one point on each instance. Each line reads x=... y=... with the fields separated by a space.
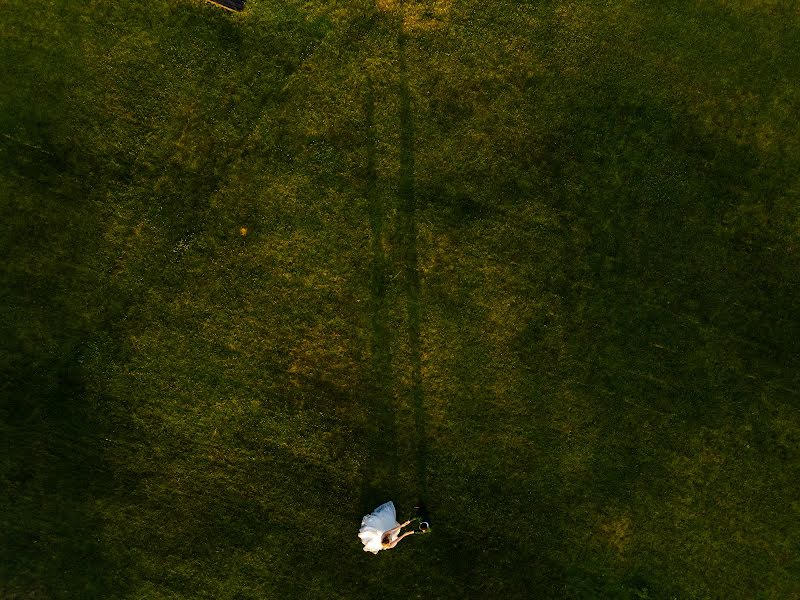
x=418 y=15
x=615 y=531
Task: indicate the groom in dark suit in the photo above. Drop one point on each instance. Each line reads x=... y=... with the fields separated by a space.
x=423 y=516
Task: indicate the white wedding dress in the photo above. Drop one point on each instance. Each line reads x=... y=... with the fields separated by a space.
x=375 y=524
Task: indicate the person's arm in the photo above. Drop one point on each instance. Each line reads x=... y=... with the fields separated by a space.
x=395 y=529
x=397 y=541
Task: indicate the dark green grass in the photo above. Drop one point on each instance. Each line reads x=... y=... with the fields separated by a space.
x=535 y=262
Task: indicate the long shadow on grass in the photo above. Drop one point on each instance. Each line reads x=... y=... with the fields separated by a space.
x=382 y=466
x=380 y=472
x=408 y=233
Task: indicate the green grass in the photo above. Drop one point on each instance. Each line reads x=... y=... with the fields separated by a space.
x=536 y=262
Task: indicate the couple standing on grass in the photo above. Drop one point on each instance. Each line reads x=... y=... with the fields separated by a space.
x=381 y=531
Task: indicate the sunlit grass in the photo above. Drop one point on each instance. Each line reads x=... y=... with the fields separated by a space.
x=224 y=314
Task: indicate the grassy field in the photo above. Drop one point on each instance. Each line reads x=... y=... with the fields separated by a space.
x=535 y=262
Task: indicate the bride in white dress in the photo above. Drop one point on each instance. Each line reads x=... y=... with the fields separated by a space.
x=380 y=529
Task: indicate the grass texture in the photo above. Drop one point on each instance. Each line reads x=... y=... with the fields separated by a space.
x=535 y=262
